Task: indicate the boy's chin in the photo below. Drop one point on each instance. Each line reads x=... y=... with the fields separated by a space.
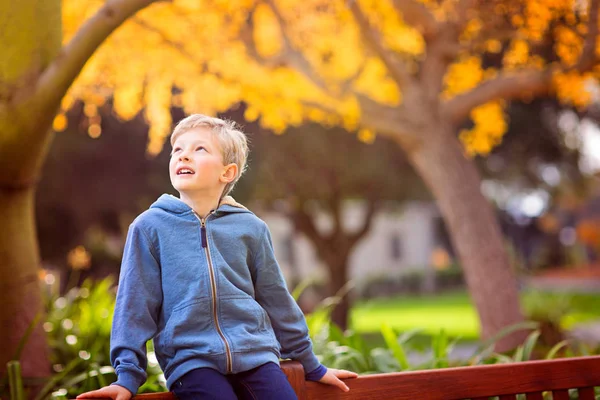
x=189 y=189
x=185 y=188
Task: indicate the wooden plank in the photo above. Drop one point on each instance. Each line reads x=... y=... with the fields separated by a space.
x=149 y=396
x=295 y=374
x=535 y=396
x=586 y=393
x=468 y=382
x=560 y=395
x=502 y=380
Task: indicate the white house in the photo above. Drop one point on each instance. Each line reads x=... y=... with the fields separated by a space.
x=401 y=237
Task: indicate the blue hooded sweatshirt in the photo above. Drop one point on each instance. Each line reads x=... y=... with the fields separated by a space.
x=209 y=292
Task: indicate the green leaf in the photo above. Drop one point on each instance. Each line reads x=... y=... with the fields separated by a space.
x=57 y=378
x=301 y=287
x=526 y=325
x=26 y=335
x=555 y=349
x=15 y=380
x=440 y=345
x=392 y=343
x=518 y=356
x=439 y=363
x=82 y=377
x=529 y=344
x=502 y=359
x=409 y=334
x=336 y=334
x=383 y=360
x=100 y=376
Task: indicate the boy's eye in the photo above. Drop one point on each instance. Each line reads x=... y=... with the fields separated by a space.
x=200 y=148
x=175 y=150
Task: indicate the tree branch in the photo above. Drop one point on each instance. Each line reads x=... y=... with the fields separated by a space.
x=386 y=120
x=335 y=205
x=506 y=86
x=462 y=13
x=305 y=224
x=372 y=208
x=588 y=55
x=289 y=55
x=417 y=15
x=178 y=46
x=439 y=53
x=247 y=37
x=345 y=87
x=397 y=69
x=530 y=82
x=60 y=74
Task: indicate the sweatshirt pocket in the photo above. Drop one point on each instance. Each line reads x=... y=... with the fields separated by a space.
x=191 y=328
x=246 y=323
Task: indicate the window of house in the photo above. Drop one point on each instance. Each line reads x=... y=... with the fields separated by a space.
x=395 y=246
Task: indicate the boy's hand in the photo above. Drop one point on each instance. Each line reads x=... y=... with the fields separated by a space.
x=332 y=377
x=114 y=392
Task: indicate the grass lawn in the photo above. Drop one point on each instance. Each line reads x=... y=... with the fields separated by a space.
x=455 y=313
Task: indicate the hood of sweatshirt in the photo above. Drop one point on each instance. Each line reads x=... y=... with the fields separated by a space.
x=172 y=204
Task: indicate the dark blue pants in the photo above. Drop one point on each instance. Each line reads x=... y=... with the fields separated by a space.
x=266 y=382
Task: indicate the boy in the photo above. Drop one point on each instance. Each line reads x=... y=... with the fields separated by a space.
x=199 y=277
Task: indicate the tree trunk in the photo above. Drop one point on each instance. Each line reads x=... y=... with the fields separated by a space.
x=19 y=262
x=337 y=263
x=455 y=183
x=30 y=39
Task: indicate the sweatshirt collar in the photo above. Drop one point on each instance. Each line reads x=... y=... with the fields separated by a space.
x=175 y=205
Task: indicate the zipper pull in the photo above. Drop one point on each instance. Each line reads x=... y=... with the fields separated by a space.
x=203 y=231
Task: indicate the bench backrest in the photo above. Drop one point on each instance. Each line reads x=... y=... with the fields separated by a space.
x=532 y=378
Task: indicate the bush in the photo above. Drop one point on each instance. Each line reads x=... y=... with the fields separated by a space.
x=348 y=350
x=78 y=327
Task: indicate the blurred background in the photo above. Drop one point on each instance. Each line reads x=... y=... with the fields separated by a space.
x=429 y=170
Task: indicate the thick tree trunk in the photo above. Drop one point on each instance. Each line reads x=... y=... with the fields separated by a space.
x=30 y=38
x=19 y=285
x=455 y=183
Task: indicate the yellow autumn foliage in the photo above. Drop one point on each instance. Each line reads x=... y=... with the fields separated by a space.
x=571 y=88
x=489 y=127
x=311 y=60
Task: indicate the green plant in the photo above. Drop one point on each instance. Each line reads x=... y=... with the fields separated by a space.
x=15 y=380
x=78 y=327
x=549 y=309
x=540 y=306
x=349 y=350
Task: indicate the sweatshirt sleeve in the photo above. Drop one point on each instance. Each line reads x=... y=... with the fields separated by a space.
x=286 y=317
x=139 y=298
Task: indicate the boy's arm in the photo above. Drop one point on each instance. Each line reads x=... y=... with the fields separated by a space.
x=139 y=298
x=286 y=317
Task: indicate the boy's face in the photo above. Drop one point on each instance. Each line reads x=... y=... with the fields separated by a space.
x=197 y=163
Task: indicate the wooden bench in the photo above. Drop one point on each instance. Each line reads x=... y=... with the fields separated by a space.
x=532 y=378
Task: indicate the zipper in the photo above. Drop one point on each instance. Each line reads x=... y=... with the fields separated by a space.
x=213 y=285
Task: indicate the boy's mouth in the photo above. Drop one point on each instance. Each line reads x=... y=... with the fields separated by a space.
x=184 y=171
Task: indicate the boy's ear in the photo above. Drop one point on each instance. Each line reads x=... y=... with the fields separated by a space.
x=229 y=173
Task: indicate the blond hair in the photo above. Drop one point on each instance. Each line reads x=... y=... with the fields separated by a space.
x=232 y=141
